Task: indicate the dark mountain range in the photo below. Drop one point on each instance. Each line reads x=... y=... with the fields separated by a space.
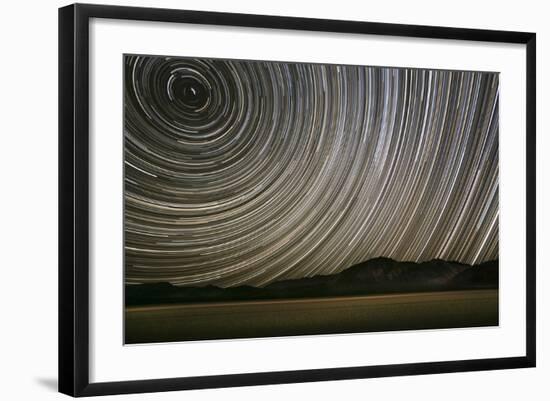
x=375 y=276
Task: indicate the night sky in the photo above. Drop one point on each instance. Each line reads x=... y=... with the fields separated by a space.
x=247 y=172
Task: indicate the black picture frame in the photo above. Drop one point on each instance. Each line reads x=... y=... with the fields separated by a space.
x=74 y=200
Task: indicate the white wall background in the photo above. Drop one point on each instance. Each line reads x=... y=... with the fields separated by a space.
x=28 y=200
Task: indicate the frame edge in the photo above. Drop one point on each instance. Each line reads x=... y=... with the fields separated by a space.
x=73 y=341
x=66 y=307
x=531 y=195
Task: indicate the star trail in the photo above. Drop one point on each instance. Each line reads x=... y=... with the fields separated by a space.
x=249 y=172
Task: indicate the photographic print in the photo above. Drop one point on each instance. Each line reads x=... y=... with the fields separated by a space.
x=272 y=198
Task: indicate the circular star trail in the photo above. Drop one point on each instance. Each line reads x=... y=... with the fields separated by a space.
x=247 y=172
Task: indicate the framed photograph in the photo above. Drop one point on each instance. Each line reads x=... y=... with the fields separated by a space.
x=249 y=199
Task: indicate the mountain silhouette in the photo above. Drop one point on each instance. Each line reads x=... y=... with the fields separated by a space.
x=375 y=276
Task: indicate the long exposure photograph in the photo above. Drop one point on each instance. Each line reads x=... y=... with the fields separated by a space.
x=272 y=198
